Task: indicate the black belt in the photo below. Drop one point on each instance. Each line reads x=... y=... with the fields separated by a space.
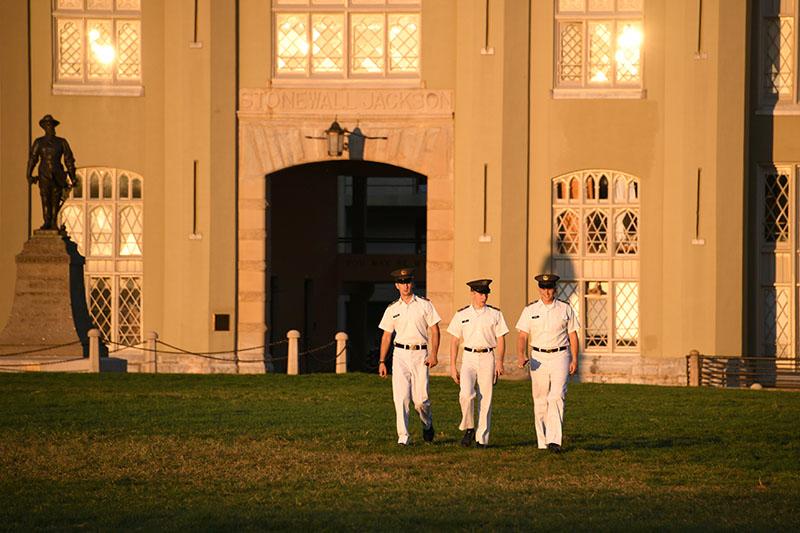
x=548 y=350
x=410 y=346
x=478 y=350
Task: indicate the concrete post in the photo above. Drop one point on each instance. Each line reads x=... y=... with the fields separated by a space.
x=94 y=350
x=293 y=364
x=694 y=368
x=341 y=352
x=152 y=354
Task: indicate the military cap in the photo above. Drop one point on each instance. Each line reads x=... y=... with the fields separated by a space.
x=403 y=275
x=480 y=285
x=48 y=119
x=547 y=281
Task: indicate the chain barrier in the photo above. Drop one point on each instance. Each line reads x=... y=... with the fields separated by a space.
x=44 y=363
x=40 y=350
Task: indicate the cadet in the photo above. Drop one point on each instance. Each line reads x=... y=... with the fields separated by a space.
x=410 y=317
x=551 y=326
x=482 y=327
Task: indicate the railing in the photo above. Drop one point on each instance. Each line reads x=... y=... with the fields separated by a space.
x=742 y=371
x=152 y=347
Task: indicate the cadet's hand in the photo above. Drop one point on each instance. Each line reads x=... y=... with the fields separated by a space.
x=382 y=370
x=573 y=367
x=431 y=361
x=521 y=362
x=456 y=377
x=498 y=370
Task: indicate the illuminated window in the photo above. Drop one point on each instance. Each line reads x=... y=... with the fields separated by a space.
x=598 y=46
x=346 y=39
x=104 y=216
x=596 y=252
x=778 y=54
x=97 y=47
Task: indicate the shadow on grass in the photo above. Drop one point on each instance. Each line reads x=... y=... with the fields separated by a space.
x=590 y=443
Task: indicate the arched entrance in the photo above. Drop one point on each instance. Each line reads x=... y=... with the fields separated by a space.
x=334 y=231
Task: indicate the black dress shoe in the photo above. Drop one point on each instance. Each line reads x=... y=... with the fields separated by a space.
x=479 y=445
x=468 y=438
x=554 y=448
x=427 y=434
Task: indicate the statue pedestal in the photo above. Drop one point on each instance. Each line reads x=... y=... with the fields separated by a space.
x=49 y=314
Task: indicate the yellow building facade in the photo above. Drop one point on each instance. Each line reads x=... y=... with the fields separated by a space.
x=643 y=150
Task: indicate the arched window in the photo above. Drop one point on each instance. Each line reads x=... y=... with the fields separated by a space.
x=107 y=224
x=596 y=253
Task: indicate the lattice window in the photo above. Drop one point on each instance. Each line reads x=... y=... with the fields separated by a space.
x=778 y=261
x=596 y=233
x=776 y=207
x=334 y=40
x=599 y=45
x=97 y=47
x=104 y=215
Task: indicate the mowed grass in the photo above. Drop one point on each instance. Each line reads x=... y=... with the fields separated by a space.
x=176 y=452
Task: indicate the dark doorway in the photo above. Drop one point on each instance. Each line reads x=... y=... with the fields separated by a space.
x=335 y=231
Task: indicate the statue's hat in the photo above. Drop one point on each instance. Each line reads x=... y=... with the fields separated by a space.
x=48 y=119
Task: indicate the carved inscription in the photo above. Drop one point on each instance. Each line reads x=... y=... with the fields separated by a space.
x=363 y=101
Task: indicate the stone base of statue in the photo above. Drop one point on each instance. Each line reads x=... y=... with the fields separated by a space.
x=49 y=323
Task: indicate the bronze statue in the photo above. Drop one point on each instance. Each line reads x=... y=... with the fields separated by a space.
x=54 y=182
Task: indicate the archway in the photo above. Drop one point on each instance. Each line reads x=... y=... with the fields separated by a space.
x=334 y=231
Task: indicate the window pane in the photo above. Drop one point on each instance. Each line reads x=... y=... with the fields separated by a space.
x=129 y=5
x=626 y=314
x=600 y=52
x=404 y=43
x=570 y=61
x=596 y=314
x=292 y=45
x=568 y=292
x=99 y=5
x=628 y=54
x=137 y=188
x=123 y=187
x=626 y=232
x=367 y=43
x=778 y=55
x=129 y=45
x=130 y=231
x=108 y=185
x=567 y=233
x=777 y=322
x=102 y=232
x=70 y=49
x=72 y=217
x=100 y=49
x=94 y=185
x=129 y=317
x=596 y=232
x=328 y=42
x=100 y=304
x=77 y=189
x=776 y=208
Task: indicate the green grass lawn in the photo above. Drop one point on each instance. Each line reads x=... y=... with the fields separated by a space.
x=318 y=451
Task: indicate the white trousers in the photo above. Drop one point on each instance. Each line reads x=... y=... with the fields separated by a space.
x=410 y=384
x=477 y=368
x=549 y=373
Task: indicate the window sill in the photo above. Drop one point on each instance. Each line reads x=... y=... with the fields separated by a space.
x=62 y=89
x=586 y=93
x=778 y=109
x=358 y=83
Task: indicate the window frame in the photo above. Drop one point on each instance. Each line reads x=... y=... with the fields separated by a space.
x=116 y=268
x=585 y=89
x=113 y=86
x=346 y=78
x=620 y=267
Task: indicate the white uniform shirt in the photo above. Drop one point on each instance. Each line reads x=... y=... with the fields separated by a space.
x=410 y=320
x=479 y=327
x=548 y=326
